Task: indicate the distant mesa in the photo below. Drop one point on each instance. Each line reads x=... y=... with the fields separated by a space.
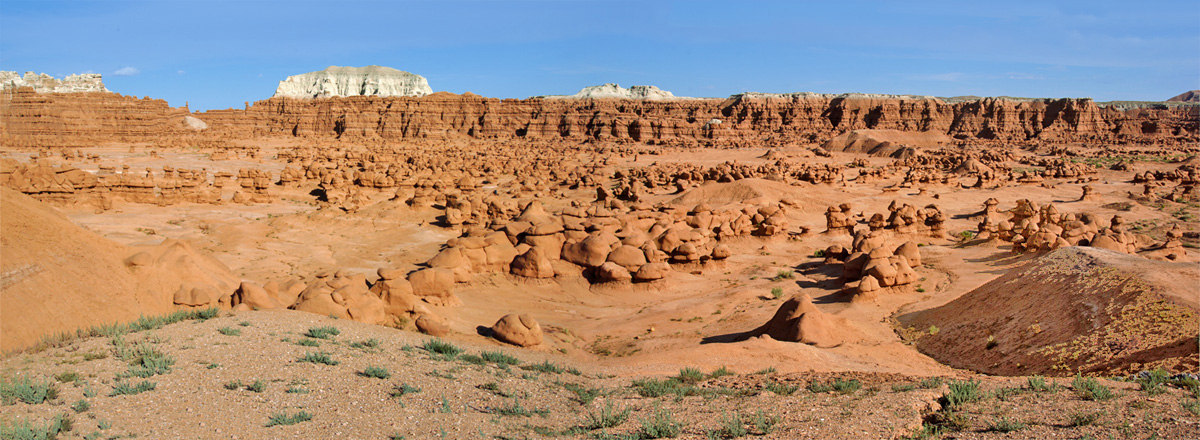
x=353 y=81
x=43 y=83
x=1189 y=96
x=614 y=91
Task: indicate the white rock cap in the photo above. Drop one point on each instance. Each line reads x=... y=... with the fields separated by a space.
x=43 y=83
x=353 y=81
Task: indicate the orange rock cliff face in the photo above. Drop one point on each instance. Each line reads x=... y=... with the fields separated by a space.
x=32 y=119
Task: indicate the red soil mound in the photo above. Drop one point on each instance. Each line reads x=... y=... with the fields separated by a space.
x=56 y=277
x=1077 y=309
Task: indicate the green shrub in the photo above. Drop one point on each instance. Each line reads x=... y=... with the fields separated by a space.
x=26 y=430
x=1090 y=389
x=122 y=388
x=929 y=383
x=962 y=392
x=545 y=367
x=1004 y=424
x=442 y=348
x=1155 y=382
x=234 y=385
x=404 y=389
x=1039 y=384
x=318 y=357
x=375 y=372
x=369 y=343
x=900 y=388
x=323 y=332
x=720 y=372
x=583 y=395
x=145 y=360
x=846 y=386
x=230 y=331
x=763 y=423
x=1085 y=419
x=306 y=342
x=781 y=389
x=81 y=406
x=732 y=426
x=690 y=375
x=66 y=376
x=817 y=386
x=27 y=390
x=283 y=418
x=517 y=410
x=776 y=292
x=499 y=357
x=472 y=359
x=607 y=417
x=1192 y=405
x=660 y=425
x=258 y=386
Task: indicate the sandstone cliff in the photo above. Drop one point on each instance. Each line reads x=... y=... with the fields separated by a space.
x=353 y=81
x=80 y=119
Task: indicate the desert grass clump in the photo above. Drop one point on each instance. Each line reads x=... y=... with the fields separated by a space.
x=81 y=406
x=471 y=359
x=375 y=372
x=517 y=410
x=929 y=383
x=234 y=385
x=1088 y=388
x=763 y=424
x=583 y=395
x=902 y=388
x=1192 y=405
x=306 y=342
x=367 y=344
x=66 y=376
x=27 y=390
x=1085 y=418
x=720 y=372
x=27 y=430
x=323 y=332
x=1154 y=382
x=258 y=386
x=283 y=418
x=230 y=331
x=145 y=360
x=606 y=417
x=1006 y=425
x=1038 y=384
x=404 y=390
x=732 y=426
x=545 y=367
x=318 y=357
x=660 y=425
x=123 y=388
x=499 y=358
x=776 y=292
x=962 y=392
x=442 y=348
x=781 y=389
x=846 y=386
x=690 y=375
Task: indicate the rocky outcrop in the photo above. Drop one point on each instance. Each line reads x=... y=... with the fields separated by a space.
x=43 y=83
x=1188 y=96
x=31 y=119
x=615 y=91
x=353 y=81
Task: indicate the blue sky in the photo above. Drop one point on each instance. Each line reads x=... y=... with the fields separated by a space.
x=219 y=54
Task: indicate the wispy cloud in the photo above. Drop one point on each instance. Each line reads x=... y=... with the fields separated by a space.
x=179 y=72
x=1023 y=75
x=127 y=71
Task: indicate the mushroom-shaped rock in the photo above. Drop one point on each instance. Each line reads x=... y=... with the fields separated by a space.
x=521 y=330
x=432 y=325
x=652 y=271
x=629 y=257
x=432 y=283
x=910 y=251
x=798 y=320
x=721 y=252
x=610 y=271
x=533 y=264
x=255 y=297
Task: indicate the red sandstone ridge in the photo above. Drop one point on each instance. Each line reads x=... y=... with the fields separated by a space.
x=29 y=119
x=1188 y=96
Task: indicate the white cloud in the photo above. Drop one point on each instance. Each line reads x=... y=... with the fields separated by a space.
x=88 y=71
x=180 y=72
x=127 y=71
x=1022 y=75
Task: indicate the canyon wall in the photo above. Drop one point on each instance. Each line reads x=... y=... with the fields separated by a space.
x=31 y=119
x=738 y=120
x=80 y=119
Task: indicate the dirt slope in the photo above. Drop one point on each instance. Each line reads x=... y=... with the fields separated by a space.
x=56 y=276
x=1077 y=309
